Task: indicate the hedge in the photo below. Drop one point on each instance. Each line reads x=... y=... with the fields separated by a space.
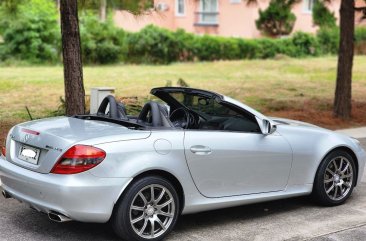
x=156 y=45
x=103 y=43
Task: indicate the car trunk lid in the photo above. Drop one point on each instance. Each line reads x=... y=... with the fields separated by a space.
x=48 y=139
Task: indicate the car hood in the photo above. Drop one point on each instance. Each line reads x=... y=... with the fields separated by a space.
x=284 y=121
x=54 y=136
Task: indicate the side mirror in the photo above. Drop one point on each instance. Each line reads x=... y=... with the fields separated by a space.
x=268 y=127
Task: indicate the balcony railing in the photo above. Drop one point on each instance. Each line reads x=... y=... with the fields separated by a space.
x=207 y=18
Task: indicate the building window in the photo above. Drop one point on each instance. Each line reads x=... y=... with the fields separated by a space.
x=308 y=6
x=180 y=7
x=209 y=10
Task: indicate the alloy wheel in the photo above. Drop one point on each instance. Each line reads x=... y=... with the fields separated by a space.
x=152 y=211
x=338 y=178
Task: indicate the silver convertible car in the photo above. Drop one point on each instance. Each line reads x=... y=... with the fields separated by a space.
x=189 y=151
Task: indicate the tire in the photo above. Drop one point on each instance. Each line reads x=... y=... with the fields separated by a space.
x=133 y=216
x=335 y=179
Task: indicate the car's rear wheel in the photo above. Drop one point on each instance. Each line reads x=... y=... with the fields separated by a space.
x=148 y=210
x=335 y=179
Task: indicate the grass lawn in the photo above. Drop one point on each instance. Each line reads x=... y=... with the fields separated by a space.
x=294 y=88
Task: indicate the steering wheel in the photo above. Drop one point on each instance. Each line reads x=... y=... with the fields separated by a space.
x=180 y=118
x=113 y=111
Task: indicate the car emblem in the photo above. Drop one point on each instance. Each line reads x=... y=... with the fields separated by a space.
x=25 y=138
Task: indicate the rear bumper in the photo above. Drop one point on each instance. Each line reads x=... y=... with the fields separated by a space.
x=81 y=197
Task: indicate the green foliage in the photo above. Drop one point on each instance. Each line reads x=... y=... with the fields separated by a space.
x=328 y=39
x=322 y=16
x=30 y=33
x=153 y=45
x=360 y=37
x=305 y=45
x=360 y=34
x=277 y=19
x=101 y=42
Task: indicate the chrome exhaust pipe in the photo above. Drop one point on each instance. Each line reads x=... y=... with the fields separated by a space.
x=59 y=218
x=6 y=195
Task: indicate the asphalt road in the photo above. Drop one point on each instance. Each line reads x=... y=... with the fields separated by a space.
x=292 y=219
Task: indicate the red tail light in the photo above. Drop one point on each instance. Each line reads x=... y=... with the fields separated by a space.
x=78 y=159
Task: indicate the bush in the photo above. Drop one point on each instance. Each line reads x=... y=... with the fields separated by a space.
x=152 y=45
x=185 y=45
x=101 y=42
x=322 y=16
x=360 y=37
x=328 y=39
x=277 y=19
x=32 y=34
x=304 y=45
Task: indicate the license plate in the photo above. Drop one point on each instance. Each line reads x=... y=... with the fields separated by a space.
x=29 y=154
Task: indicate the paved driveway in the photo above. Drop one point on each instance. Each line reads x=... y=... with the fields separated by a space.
x=292 y=219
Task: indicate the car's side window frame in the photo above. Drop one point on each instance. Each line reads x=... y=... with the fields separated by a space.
x=250 y=116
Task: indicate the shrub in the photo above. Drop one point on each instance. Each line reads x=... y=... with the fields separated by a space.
x=152 y=45
x=277 y=19
x=328 y=39
x=304 y=45
x=32 y=34
x=101 y=42
x=360 y=37
x=322 y=15
x=185 y=45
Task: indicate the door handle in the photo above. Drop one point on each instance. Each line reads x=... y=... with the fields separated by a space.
x=201 y=150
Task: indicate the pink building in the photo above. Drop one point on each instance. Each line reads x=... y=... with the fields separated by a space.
x=232 y=18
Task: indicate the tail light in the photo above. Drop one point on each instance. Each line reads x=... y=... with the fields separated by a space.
x=78 y=159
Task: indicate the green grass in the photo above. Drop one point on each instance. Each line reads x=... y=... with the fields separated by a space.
x=267 y=85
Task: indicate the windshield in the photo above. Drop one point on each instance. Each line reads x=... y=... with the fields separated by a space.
x=202 y=104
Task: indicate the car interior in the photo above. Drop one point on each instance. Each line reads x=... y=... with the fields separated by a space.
x=182 y=110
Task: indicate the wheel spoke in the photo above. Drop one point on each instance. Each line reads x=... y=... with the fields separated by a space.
x=143 y=227
x=143 y=197
x=330 y=171
x=329 y=180
x=335 y=192
x=138 y=219
x=160 y=196
x=152 y=194
x=347 y=184
x=165 y=214
x=335 y=165
x=330 y=189
x=137 y=208
x=342 y=192
x=160 y=223
x=165 y=204
x=347 y=176
x=345 y=168
x=340 y=164
x=152 y=231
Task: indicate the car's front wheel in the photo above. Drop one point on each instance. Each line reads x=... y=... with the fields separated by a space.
x=335 y=178
x=148 y=210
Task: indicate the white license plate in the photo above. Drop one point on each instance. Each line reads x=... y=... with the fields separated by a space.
x=29 y=154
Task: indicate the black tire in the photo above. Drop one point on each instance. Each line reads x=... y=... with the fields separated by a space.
x=121 y=222
x=321 y=187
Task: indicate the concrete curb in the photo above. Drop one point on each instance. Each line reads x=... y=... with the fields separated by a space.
x=354 y=132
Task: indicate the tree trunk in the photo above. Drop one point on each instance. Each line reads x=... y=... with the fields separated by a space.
x=343 y=93
x=103 y=10
x=71 y=51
